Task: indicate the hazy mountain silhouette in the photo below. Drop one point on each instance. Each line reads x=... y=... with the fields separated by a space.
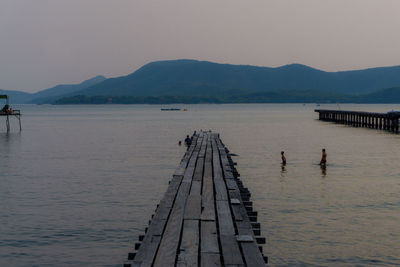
x=389 y=95
x=16 y=96
x=202 y=78
x=51 y=94
x=192 y=81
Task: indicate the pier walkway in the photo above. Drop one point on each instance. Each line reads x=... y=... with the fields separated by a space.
x=205 y=218
x=383 y=121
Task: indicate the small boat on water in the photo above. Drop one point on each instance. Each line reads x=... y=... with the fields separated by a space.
x=170 y=109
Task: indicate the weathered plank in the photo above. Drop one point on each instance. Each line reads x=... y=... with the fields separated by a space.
x=170 y=194
x=145 y=256
x=230 y=248
x=209 y=237
x=193 y=207
x=180 y=171
x=169 y=243
x=203 y=147
x=210 y=260
x=231 y=184
x=188 y=176
x=189 y=247
x=220 y=187
x=250 y=250
x=196 y=188
x=198 y=173
x=224 y=218
x=207 y=201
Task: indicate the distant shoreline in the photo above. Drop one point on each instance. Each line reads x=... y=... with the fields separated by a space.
x=272 y=98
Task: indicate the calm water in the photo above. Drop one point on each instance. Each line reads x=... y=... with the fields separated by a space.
x=79 y=184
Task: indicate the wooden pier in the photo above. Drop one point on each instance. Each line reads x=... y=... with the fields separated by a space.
x=382 y=121
x=6 y=112
x=205 y=218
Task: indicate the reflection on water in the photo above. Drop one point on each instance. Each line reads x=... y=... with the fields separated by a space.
x=283 y=170
x=323 y=170
x=79 y=183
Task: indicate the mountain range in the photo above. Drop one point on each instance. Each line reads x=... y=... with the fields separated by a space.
x=192 y=81
x=52 y=94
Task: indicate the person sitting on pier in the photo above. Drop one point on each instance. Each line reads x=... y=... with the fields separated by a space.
x=283 y=158
x=323 y=158
x=188 y=141
x=5 y=108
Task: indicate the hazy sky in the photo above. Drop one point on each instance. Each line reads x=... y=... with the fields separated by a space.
x=47 y=42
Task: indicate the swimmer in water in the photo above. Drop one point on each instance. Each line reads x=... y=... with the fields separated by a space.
x=283 y=158
x=323 y=158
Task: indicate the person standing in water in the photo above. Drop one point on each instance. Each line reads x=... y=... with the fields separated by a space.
x=283 y=158
x=323 y=158
x=188 y=141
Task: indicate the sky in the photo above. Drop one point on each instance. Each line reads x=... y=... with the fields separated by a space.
x=48 y=42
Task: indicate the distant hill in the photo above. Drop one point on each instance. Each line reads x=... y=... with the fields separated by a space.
x=51 y=94
x=16 y=96
x=201 y=78
x=389 y=95
x=192 y=81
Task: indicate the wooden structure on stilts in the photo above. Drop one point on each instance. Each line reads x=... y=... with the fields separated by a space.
x=7 y=112
x=382 y=121
x=205 y=218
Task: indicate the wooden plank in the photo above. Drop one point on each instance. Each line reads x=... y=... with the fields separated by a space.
x=226 y=167
x=146 y=254
x=169 y=196
x=188 y=176
x=150 y=243
x=252 y=255
x=189 y=248
x=169 y=243
x=220 y=187
x=210 y=260
x=198 y=173
x=203 y=147
x=193 y=207
x=196 y=188
x=209 y=237
x=231 y=184
x=230 y=250
x=250 y=250
x=207 y=201
x=180 y=171
x=144 y=257
x=224 y=218
x=236 y=210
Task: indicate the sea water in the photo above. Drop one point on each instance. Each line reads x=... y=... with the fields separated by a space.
x=79 y=183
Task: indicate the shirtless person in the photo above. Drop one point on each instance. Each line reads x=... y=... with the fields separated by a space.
x=323 y=159
x=283 y=158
